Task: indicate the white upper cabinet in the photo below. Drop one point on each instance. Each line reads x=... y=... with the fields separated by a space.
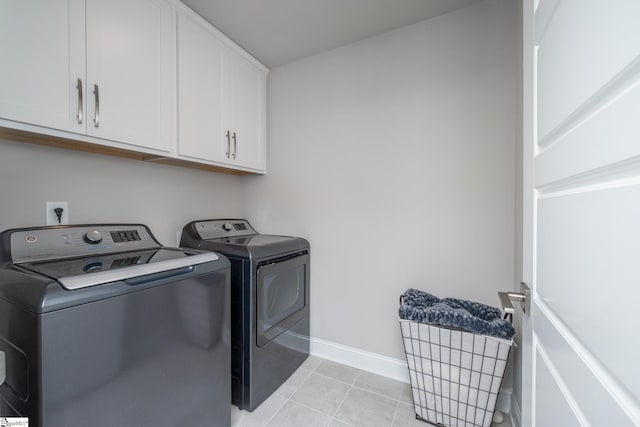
x=244 y=111
x=144 y=76
x=221 y=99
x=96 y=68
x=129 y=57
x=99 y=68
x=200 y=133
x=42 y=78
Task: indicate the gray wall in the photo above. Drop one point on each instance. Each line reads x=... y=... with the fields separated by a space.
x=395 y=157
x=109 y=189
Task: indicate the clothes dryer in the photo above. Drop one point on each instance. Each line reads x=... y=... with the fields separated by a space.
x=269 y=303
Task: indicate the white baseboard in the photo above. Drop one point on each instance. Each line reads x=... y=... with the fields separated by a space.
x=382 y=365
x=516 y=414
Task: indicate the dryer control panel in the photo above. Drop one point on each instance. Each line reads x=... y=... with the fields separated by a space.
x=218 y=228
x=47 y=243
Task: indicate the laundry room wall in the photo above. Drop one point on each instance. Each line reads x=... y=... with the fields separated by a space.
x=110 y=189
x=395 y=157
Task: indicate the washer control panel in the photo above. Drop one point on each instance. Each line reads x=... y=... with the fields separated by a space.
x=49 y=243
x=218 y=228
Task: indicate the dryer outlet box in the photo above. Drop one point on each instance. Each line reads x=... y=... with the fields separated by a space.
x=52 y=215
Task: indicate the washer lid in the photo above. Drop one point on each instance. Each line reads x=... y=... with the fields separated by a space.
x=77 y=273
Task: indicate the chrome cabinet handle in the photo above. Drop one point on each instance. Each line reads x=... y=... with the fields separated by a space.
x=228 y=144
x=235 y=145
x=96 y=117
x=80 y=107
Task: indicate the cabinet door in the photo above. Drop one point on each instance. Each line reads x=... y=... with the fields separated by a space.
x=129 y=56
x=245 y=110
x=42 y=51
x=200 y=132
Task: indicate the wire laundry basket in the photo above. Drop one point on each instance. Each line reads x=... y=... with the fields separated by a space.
x=455 y=375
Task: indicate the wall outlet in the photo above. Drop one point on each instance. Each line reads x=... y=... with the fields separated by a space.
x=52 y=217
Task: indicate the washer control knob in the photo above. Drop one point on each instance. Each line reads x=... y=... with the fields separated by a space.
x=93 y=237
x=227 y=226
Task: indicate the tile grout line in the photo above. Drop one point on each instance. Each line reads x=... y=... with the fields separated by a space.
x=277 y=411
x=317 y=410
x=395 y=413
x=332 y=378
x=345 y=397
x=376 y=393
x=287 y=399
x=278 y=408
x=352 y=386
x=331 y=417
x=301 y=384
x=290 y=398
x=358 y=372
x=393 y=418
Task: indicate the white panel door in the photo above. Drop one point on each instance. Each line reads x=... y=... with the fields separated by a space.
x=244 y=105
x=584 y=161
x=42 y=75
x=129 y=71
x=200 y=54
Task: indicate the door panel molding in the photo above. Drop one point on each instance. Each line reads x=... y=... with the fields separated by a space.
x=586 y=45
x=543 y=16
x=624 y=81
x=597 y=393
x=620 y=174
x=588 y=244
x=552 y=390
x=588 y=145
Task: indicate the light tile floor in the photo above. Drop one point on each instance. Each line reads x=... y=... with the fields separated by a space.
x=322 y=393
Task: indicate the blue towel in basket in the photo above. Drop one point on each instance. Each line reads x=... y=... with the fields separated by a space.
x=422 y=307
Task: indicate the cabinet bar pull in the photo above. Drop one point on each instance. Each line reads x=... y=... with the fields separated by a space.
x=228 y=144
x=96 y=93
x=235 y=145
x=80 y=107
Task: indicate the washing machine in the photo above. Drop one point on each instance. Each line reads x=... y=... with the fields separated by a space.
x=102 y=326
x=269 y=303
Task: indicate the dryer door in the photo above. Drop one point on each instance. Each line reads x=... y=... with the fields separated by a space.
x=282 y=296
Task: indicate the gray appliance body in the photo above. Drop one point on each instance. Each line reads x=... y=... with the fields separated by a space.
x=269 y=303
x=150 y=348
